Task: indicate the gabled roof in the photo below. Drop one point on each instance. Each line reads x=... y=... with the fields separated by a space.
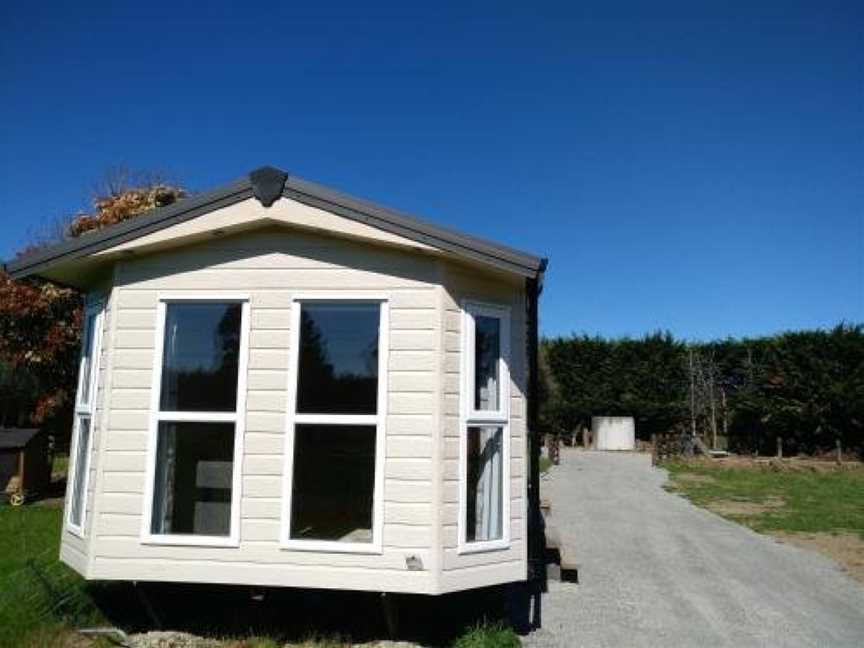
x=267 y=184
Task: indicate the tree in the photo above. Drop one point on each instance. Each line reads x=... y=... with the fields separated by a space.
x=40 y=322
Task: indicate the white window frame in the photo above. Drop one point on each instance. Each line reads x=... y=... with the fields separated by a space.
x=378 y=419
x=471 y=417
x=238 y=417
x=84 y=410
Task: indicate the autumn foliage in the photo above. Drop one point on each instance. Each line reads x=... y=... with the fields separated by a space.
x=40 y=322
x=122 y=206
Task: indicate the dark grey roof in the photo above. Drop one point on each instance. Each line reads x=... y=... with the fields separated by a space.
x=263 y=183
x=16 y=438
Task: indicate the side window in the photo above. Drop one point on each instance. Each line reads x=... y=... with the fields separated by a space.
x=197 y=422
x=485 y=444
x=336 y=414
x=82 y=431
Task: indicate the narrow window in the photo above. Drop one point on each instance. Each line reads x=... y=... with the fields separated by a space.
x=336 y=418
x=198 y=420
x=91 y=336
x=485 y=498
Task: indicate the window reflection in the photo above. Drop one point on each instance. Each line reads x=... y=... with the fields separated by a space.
x=487 y=351
x=338 y=367
x=201 y=357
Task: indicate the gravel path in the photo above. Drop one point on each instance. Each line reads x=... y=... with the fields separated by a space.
x=657 y=571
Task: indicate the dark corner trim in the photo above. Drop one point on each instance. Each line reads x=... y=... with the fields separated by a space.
x=267 y=184
x=536 y=530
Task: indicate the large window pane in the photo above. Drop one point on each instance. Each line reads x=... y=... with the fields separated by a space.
x=487 y=352
x=334 y=482
x=338 y=367
x=485 y=497
x=194 y=472
x=87 y=359
x=201 y=357
x=82 y=465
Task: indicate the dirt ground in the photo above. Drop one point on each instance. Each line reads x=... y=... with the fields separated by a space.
x=735 y=507
x=847 y=549
x=790 y=464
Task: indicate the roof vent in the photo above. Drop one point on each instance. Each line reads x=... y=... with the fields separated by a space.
x=267 y=184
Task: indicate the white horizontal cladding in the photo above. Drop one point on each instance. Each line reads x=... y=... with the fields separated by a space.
x=266 y=380
x=403 y=469
x=133 y=359
x=265 y=574
x=269 y=339
x=409 y=491
x=485 y=563
x=412 y=360
x=264 y=444
x=131 y=379
x=262 y=465
x=265 y=422
x=258 y=508
x=273 y=319
x=410 y=424
x=269 y=486
x=276 y=279
x=413 y=319
x=414 y=446
x=262 y=552
x=271 y=282
x=408 y=513
x=138 y=319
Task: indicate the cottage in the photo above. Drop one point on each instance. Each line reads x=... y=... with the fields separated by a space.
x=281 y=385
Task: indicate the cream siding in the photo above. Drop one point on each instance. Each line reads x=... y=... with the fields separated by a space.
x=272 y=265
x=466 y=570
x=421 y=479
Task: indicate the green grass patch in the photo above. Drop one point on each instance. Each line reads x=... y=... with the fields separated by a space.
x=488 y=636
x=796 y=499
x=545 y=464
x=40 y=598
x=60 y=464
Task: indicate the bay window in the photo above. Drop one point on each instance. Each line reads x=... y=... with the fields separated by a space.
x=484 y=431
x=197 y=418
x=337 y=401
x=82 y=431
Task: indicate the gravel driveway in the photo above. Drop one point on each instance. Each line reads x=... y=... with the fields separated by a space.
x=657 y=571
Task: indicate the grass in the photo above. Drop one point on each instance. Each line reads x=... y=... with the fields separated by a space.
x=545 y=464
x=802 y=500
x=39 y=596
x=488 y=636
x=60 y=464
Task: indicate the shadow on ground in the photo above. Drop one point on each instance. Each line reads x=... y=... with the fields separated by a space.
x=287 y=615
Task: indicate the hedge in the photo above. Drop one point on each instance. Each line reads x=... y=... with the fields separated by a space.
x=806 y=387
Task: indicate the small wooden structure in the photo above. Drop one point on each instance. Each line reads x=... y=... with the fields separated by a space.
x=25 y=468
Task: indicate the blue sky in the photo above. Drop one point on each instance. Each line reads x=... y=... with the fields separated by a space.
x=695 y=167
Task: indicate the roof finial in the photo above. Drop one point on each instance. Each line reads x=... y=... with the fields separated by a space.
x=267 y=184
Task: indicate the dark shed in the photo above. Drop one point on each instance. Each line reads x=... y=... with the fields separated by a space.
x=24 y=463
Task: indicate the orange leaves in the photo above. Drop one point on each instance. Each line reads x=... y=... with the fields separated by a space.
x=124 y=205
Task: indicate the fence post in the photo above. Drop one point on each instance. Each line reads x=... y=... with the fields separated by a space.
x=839 y=452
x=779 y=447
x=584 y=437
x=653 y=448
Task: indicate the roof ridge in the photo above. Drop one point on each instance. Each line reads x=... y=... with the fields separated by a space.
x=266 y=184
